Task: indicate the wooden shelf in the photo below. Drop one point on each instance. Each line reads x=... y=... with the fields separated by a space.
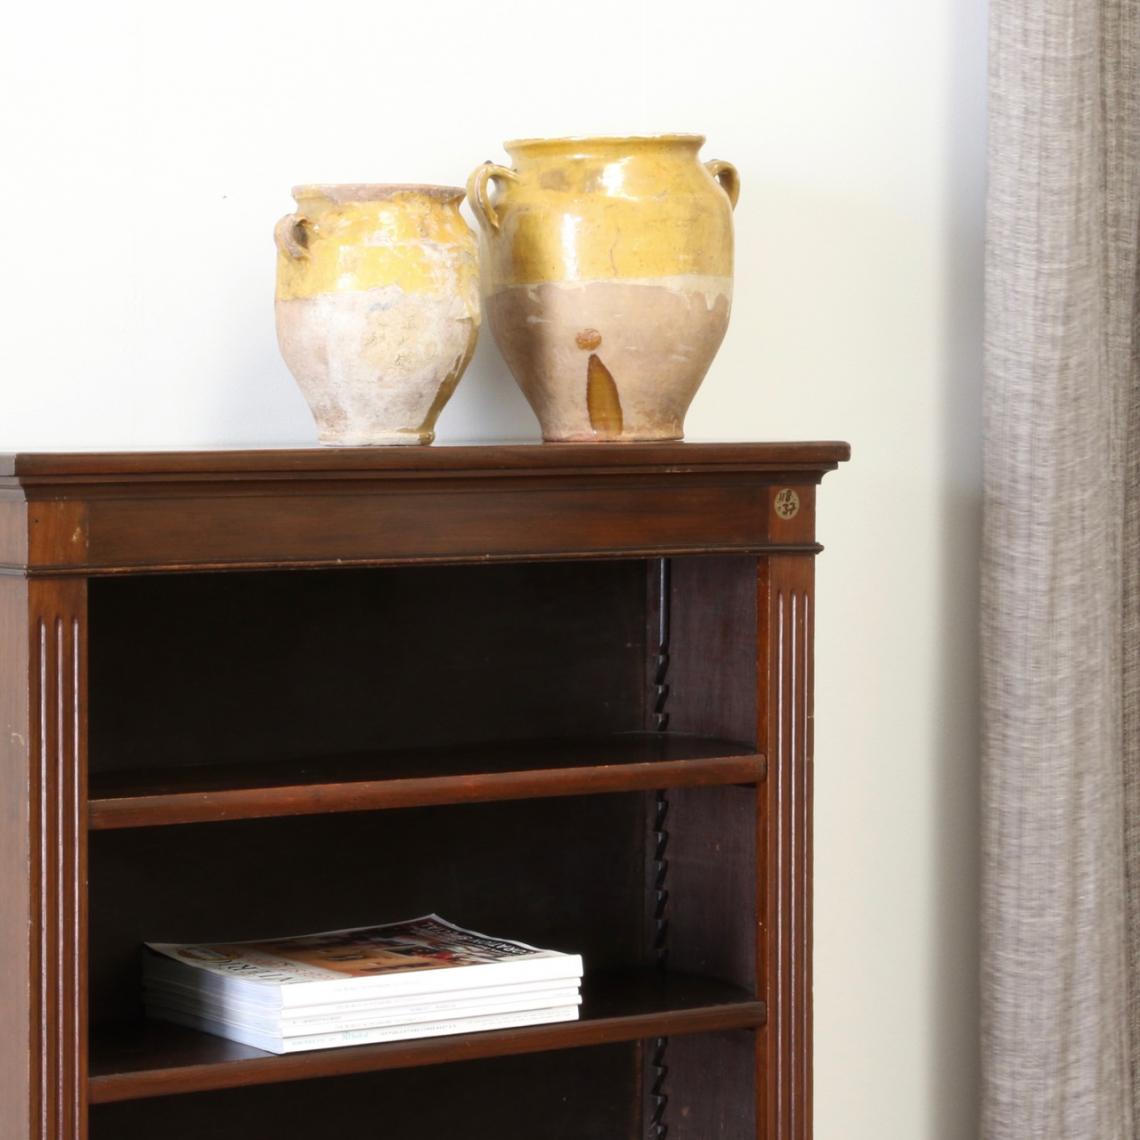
x=154 y=1059
x=417 y=777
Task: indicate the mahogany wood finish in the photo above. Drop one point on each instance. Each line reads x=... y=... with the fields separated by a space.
x=785 y=644
x=597 y=705
x=44 y=848
x=162 y=1059
x=210 y=510
x=20 y=1046
x=417 y=778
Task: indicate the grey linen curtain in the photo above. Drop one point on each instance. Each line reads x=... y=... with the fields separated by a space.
x=1061 y=576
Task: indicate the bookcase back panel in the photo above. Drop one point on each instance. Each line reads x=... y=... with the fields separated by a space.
x=712 y=883
x=711 y=1086
x=572 y=1094
x=712 y=647
x=564 y=873
x=214 y=668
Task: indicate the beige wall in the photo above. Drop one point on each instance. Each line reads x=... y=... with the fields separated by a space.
x=148 y=148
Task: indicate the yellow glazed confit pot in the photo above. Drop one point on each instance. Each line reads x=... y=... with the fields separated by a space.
x=377 y=307
x=607 y=278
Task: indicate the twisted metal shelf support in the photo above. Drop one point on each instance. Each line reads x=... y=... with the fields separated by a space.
x=658 y=1125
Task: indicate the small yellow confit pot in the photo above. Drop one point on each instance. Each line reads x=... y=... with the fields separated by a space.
x=607 y=278
x=377 y=307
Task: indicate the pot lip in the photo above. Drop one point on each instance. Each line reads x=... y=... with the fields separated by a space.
x=603 y=140
x=342 y=192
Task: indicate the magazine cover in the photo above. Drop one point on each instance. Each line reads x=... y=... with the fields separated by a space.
x=429 y=946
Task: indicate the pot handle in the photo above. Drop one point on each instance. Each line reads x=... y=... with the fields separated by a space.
x=478 y=191
x=727 y=176
x=291 y=237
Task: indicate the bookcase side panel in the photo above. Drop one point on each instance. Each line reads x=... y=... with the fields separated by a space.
x=42 y=841
x=785 y=657
x=17 y=1087
x=56 y=640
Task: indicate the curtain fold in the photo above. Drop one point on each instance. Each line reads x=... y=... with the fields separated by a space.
x=1061 y=575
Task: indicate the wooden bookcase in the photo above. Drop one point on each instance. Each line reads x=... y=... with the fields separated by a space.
x=560 y=693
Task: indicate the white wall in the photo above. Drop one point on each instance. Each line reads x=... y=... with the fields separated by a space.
x=148 y=149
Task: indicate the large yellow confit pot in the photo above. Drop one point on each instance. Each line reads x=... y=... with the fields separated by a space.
x=377 y=307
x=607 y=278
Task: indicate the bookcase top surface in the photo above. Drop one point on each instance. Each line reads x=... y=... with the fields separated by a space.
x=97 y=513
x=451 y=460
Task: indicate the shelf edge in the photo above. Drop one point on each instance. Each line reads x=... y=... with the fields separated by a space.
x=271 y=1069
x=120 y=812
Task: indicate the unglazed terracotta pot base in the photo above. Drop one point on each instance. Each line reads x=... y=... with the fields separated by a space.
x=376 y=366
x=611 y=360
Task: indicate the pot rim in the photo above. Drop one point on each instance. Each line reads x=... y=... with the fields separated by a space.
x=603 y=140
x=342 y=192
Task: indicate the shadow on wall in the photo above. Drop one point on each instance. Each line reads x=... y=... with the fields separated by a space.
x=955 y=996
x=488 y=404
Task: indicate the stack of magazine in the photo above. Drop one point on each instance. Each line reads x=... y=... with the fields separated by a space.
x=421 y=978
